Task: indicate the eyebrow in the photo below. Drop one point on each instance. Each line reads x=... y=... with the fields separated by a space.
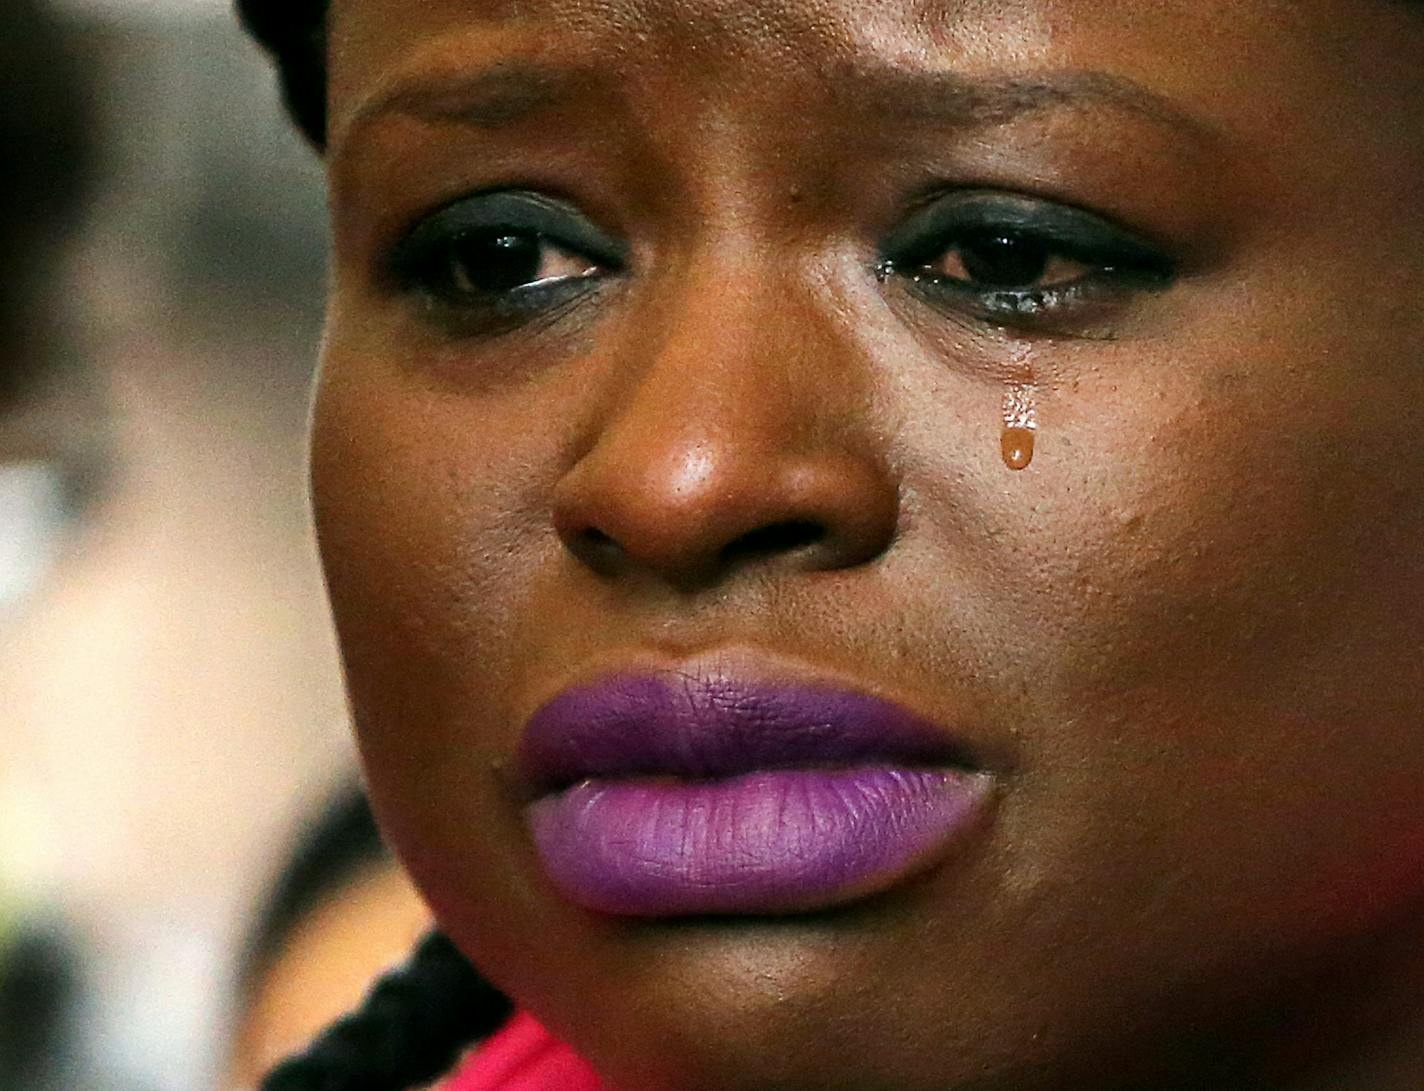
x=511 y=90
x=951 y=98
x=497 y=96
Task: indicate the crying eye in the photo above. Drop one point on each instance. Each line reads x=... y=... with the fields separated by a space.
x=1005 y=260
x=1017 y=260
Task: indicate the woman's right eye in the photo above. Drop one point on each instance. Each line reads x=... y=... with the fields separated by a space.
x=488 y=263
x=479 y=264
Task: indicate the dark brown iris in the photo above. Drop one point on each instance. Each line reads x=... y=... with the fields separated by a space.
x=1004 y=261
x=494 y=261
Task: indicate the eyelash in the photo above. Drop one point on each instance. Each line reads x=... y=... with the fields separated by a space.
x=1114 y=264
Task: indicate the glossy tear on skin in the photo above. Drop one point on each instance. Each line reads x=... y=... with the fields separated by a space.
x=1020 y=425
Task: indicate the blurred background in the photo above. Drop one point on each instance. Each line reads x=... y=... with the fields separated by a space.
x=169 y=693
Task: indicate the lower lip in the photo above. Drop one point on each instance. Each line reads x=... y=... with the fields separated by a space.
x=777 y=841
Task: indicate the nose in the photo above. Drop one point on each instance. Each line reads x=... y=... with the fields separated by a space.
x=739 y=440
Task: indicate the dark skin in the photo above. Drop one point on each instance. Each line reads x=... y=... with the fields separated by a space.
x=1184 y=641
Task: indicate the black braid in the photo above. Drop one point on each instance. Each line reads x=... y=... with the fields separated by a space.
x=294 y=33
x=411 y=1029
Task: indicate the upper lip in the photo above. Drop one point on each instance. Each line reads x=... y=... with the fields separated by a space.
x=701 y=722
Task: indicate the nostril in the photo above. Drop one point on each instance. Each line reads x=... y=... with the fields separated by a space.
x=769 y=541
x=594 y=538
x=596 y=549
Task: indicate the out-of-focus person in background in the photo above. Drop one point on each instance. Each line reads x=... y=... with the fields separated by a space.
x=168 y=692
x=340 y=912
x=47 y=429
x=49 y=462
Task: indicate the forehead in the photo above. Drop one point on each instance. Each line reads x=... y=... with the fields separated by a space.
x=1249 y=58
x=822 y=26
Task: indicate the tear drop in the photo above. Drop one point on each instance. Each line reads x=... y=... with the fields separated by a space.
x=1016 y=445
x=1020 y=424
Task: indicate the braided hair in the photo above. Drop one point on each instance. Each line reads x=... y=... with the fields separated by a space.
x=414 y=1024
x=416 y=1020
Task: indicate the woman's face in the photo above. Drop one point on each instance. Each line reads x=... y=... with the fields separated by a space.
x=678 y=339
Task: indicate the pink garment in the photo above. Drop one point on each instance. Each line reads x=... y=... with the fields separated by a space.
x=523 y=1056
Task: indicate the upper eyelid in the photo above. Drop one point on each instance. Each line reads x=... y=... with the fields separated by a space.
x=1075 y=229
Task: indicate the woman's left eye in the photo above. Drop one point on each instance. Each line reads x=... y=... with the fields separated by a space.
x=1016 y=260
x=1002 y=261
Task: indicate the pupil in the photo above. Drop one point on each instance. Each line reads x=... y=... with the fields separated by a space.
x=496 y=261
x=1004 y=261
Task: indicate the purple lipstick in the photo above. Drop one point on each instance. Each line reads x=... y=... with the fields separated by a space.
x=675 y=794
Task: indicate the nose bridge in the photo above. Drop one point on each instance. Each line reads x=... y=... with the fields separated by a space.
x=733 y=437
x=728 y=362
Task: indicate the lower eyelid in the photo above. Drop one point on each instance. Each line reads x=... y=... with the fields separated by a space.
x=538 y=302
x=1056 y=304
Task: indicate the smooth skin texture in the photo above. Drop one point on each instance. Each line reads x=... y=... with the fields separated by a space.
x=1184 y=641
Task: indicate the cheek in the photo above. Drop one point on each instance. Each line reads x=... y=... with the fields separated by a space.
x=431 y=535
x=1260 y=528
x=418 y=515
x=442 y=568
x=1227 y=573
